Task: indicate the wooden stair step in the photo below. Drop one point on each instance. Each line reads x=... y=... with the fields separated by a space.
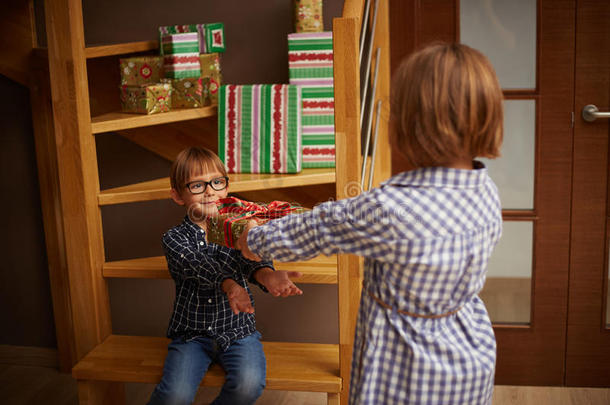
x=319 y=270
x=158 y=189
x=117 y=121
x=290 y=366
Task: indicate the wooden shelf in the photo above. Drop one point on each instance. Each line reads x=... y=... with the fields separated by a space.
x=120 y=49
x=117 y=121
x=320 y=270
x=290 y=366
x=159 y=189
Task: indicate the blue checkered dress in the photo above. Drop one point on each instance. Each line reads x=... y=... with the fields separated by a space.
x=426 y=236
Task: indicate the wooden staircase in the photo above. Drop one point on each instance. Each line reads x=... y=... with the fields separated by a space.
x=66 y=148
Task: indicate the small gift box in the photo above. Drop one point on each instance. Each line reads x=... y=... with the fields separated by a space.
x=259 y=128
x=310 y=65
x=181 y=55
x=191 y=92
x=308 y=16
x=141 y=70
x=214 y=38
x=234 y=214
x=146 y=99
x=210 y=68
x=211 y=37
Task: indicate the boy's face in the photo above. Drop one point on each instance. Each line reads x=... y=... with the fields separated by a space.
x=203 y=205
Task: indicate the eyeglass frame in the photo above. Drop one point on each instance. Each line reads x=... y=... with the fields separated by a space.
x=207 y=183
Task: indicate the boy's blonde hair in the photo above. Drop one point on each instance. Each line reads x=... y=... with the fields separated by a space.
x=446 y=105
x=194 y=161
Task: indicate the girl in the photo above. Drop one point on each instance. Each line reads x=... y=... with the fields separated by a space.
x=423 y=335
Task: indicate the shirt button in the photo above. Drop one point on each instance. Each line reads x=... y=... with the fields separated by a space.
x=201 y=243
x=210 y=300
x=209 y=328
x=181 y=255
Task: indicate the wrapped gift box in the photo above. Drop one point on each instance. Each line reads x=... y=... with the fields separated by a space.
x=191 y=92
x=259 y=128
x=181 y=55
x=141 y=70
x=310 y=63
x=214 y=38
x=234 y=214
x=210 y=68
x=210 y=36
x=308 y=16
x=146 y=99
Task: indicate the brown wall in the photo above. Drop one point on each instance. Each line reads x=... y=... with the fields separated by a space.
x=25 y=297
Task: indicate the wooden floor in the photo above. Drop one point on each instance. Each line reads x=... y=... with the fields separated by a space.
x=25 y=385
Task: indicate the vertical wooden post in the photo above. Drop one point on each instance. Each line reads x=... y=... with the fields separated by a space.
x=78 y=175
x=48 y=178
x=347 y=140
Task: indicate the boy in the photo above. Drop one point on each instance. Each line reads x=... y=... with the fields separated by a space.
x=213 y=317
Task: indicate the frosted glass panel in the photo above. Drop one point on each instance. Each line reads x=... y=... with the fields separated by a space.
x=513 y=172
x=505 y=31
x=507 y=291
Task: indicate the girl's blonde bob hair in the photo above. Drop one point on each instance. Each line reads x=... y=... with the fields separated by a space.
x=446 y=105
x=191 y=162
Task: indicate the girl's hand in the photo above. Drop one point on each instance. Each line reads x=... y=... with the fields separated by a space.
x=242 y=243
x=239 y=299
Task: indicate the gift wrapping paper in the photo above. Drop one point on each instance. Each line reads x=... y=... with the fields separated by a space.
x=141 y=70
x=210 y=68
x=234 y=214
x=310 y=65
x=146 y=99
x=210 y=36
x=214 y=38
x=308 y=16
x=259 y=128
x=191 y=92
x=181 y=55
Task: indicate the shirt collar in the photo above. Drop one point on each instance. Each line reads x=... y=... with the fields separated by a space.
x=192 y=228
x=441 y=177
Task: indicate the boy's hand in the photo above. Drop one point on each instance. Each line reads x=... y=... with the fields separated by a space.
x=278 y=282
x=242 y=243
x=238 y=296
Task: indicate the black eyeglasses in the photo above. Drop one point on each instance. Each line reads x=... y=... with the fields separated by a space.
x=199 y=186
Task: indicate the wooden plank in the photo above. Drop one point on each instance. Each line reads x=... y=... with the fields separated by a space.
x=48 y=180
x=17 y=39
x=159 y=189
x=78 y=175
x=120 y=49
x=101 y=393
x=290 y=366
x=320 y=270
x=353 y=9
x=346 y=32
x=117 y=121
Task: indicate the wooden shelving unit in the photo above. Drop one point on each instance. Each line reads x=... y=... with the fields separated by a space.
x=101 y=361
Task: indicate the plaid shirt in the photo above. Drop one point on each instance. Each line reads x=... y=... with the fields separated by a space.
x=426 y=236
x=198 y=268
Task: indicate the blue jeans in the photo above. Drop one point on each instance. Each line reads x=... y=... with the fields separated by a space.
x=187 y=362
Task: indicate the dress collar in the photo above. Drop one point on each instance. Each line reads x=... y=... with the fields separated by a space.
x=441 y=177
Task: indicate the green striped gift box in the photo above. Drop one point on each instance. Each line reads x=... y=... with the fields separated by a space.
x=210 y=36
x=259 y=128
x=310 y=63
x=181 y=55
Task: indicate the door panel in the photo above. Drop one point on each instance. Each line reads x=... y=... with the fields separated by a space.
x=588 y=350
